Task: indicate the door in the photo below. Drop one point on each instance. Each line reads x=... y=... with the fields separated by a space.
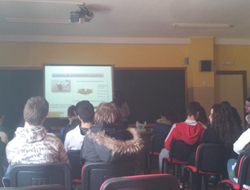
x=231 y=86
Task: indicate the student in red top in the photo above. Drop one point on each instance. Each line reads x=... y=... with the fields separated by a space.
x=190 y=131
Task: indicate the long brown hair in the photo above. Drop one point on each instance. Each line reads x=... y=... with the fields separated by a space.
x=224 y=123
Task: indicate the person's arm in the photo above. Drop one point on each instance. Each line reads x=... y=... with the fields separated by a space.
x=170 y=137
x=4 y=137
x=242 y=141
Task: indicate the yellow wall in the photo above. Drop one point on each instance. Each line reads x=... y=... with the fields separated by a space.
x=240 y=55
x=37 y=54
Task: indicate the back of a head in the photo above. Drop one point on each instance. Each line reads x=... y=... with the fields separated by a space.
x=108 y=114
x=71 y=111
x=248 y=99
x=203 y=116
x=85 y=110
x=224 y=123
x=225 y=103
x=35 y=110
x=171 y=116
x=193 y=108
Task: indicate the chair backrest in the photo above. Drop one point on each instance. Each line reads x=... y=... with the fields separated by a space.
x=244 y=170
x=94 y=174
x=180 y=150
x=157 y=143
x=142 y=182
x=76 y=163
x=38 y=187
x=40 y=174
x=211 y=158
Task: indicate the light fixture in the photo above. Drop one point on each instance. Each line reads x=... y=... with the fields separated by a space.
x=201 y=25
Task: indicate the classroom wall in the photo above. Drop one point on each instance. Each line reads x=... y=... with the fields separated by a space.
x=200 y=85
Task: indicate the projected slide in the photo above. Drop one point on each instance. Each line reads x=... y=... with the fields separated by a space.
x=67 y=85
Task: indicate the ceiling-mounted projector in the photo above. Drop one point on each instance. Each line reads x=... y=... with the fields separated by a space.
x=81 y=15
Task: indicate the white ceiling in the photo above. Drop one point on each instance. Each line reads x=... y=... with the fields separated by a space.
x=130 y=21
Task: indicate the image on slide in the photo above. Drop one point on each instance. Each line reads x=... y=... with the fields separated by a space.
x=61 y=85
x=92 y=90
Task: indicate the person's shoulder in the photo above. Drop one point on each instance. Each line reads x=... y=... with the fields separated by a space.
x=201 y=124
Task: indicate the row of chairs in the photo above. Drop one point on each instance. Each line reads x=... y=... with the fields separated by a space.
x=243 y=175
x=210 y=159
x=139 y=182
x=94 y=176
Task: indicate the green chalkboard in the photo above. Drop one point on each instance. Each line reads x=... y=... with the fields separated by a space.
x=146 y=92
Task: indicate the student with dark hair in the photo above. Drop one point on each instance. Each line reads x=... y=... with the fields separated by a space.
x=32 y=144
x=73 y=122
x=75 y=137
x=189 y=131
x=71 y=116
x=163 y=124
x=107 y=140
x=223 y=128
x=235 y=114
x=203 y=117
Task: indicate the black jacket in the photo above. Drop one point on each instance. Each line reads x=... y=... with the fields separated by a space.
x=111 y=144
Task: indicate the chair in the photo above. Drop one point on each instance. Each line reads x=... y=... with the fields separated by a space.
x=145 y=182
x=39 y=174
x=76 y=164
x=211 y=159
x=94 y=174
x=178 y=155
x=153 y=149
x=38 y=187
x=243 y=175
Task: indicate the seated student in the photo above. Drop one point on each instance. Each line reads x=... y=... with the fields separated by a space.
x=241 y=147
x=71 y=116
x=107 y=141
x=162 y=127
x=222 y=130
x=32 y=144
x=189 y=131
x=163 y=124
x=235 y=113
x=73 y=122
x=75 y=137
